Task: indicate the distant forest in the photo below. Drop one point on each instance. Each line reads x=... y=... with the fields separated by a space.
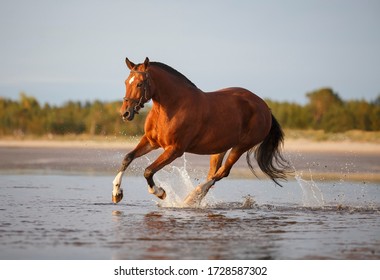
x=325 y=110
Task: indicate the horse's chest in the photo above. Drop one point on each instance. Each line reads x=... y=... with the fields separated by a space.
x=159 y=133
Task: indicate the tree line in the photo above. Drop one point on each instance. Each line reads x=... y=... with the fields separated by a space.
x=325 y=110
x=27 y=117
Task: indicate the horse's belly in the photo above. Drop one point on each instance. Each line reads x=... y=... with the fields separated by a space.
x=210 y=144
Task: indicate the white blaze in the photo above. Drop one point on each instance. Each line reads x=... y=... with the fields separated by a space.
x=131 y=80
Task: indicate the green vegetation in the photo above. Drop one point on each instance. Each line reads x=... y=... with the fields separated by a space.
x=328 y=112
x=325 y=113
x=27 y=117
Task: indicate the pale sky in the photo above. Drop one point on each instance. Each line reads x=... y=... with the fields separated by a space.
x=75 y=50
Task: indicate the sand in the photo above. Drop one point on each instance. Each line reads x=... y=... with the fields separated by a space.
x=321 y=160
x=291 y=145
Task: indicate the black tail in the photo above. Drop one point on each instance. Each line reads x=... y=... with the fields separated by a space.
x=268 y=154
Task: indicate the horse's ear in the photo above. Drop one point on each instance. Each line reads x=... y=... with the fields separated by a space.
x=129 y=63
x=146 y=64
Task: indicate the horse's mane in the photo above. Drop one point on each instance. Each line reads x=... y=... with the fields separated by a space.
x=171 y=70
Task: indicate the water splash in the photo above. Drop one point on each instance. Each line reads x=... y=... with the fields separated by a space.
x=177 y=183
x=311 y=194
x=248 y=202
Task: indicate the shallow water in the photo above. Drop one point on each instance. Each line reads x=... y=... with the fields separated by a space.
x=70 y=216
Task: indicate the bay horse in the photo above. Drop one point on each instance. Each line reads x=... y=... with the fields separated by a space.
x=183 y=119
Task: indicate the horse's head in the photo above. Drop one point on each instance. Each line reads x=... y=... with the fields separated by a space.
x=138 y=89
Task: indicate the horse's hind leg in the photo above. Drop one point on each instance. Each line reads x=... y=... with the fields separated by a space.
x=216 y=173
x=196 y=196
x=215 y=163
x=232 y=158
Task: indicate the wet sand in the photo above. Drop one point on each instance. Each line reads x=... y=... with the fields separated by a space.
x=324 y=160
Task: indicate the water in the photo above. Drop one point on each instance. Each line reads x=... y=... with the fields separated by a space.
x=70 y=216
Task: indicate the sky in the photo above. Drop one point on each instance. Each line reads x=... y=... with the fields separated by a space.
x=75 y=49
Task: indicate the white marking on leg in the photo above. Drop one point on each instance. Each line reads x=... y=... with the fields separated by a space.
x=197 y=194
x=157 y=191
x=131 y=80
x=117 y=183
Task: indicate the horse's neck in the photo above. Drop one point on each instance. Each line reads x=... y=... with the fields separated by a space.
x=169 y=92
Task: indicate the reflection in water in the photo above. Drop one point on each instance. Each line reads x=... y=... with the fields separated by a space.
x=262 y=232
x=117 y=214
x=66 y=217
x=205 y=234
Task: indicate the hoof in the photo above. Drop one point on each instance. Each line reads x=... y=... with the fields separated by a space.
x=157 y=191
x=118 y=197
x=163 y=195
x=196 y=196
x=192 y=200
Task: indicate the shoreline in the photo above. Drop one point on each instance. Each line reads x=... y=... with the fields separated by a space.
x=327 y=160
x=291 y=145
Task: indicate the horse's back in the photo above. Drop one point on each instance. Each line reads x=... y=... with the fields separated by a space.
x=232 y=116
x=238 y=92
x=241 y=101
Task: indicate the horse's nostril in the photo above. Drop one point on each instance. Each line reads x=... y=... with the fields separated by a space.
x=128 y=115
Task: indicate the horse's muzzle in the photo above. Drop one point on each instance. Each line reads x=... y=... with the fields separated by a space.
x=131 y=110
x=129 y=114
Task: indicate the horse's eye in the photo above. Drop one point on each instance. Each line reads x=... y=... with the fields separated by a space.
x=139 y=85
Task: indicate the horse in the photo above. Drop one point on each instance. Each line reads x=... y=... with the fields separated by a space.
x=183 y=118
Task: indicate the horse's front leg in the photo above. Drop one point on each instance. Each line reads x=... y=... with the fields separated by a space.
x=169 y=155
x=142 y=148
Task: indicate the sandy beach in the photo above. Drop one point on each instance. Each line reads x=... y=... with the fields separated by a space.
x=291 y=145
x=324 y=160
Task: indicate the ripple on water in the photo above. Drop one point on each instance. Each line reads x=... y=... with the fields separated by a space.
x=241 y=219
